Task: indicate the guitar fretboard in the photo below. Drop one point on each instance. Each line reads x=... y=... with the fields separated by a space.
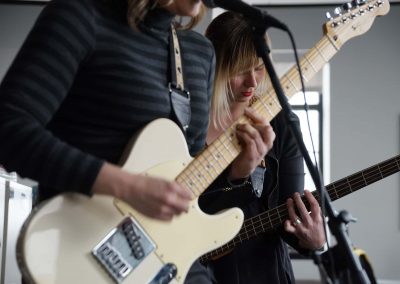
x=203 y=170
x=273 y=218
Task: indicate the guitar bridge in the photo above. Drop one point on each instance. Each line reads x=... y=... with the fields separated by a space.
x=123 y=249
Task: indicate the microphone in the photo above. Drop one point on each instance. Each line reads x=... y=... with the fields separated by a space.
x=256 y=16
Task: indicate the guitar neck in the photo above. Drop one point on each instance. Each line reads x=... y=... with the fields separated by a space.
x=273 y=218
x=203 y=170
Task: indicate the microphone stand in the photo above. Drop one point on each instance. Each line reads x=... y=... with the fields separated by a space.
x=336 y=221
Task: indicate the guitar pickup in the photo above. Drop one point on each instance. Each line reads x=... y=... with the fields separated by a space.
x=123 y=249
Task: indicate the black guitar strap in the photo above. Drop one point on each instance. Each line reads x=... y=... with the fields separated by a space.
x=180 y=97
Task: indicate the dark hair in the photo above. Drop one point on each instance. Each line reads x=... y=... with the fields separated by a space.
x=138 y=9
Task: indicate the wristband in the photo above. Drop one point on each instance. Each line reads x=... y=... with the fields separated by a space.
x=237 y=182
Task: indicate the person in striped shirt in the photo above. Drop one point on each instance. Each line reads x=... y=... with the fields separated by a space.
x=90 y=75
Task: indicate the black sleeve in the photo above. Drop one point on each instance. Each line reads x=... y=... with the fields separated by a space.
x=291 y=172
x=33 y=89
x=222 y=195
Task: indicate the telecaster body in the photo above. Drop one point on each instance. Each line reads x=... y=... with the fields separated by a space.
x=57 y=242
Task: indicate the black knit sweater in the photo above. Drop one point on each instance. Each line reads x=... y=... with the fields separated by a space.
x=84 y=82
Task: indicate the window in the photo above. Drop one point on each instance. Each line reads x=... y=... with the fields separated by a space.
x=315 y=115
x=318 y=100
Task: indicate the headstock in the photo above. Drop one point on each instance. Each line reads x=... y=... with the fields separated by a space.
x=353 y=19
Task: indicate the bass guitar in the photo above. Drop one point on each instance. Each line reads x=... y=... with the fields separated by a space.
x=274 y=218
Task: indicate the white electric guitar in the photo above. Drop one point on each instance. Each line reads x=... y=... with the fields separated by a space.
x=76 y=239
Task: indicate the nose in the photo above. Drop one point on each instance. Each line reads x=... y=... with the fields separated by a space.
x=251 y=81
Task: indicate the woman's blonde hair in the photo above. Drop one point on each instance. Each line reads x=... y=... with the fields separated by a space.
x=138 y=9
x=232 y=38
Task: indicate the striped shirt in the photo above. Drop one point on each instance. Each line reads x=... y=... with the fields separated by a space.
x=84 y=83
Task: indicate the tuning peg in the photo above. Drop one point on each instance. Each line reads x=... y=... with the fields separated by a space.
x=338 y=11
x=370 y=7
x=329 y=16
x=347 y=6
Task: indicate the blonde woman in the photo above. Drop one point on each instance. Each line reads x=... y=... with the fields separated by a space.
x=240 y=78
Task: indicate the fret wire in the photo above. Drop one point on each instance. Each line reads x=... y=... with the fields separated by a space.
x=313 y=56
x=210 y=165
x=216 y=158
x=373 y=172
x=337 y=195
x=310 y=63
x=245 y=231
x=340 y=185
x=227 y=146
x=320 y=53
x=277 y=104
x=275 y=212
x=315 y=53
x=262 y=225
x=349 y=184
x=333 y=43
x=391 y=170
x=270 y=102
x=267 y=108
x=380 y=172
x=192 y=183
x=256 y=220
x=253 y=227
x=373 y=176
x=217 y=155
x=193 y=188
x=391 y=167
x=363 y=176
x=305 y=79
x=207 y=166
x=200 y=170
x=390 y=164
x=293 y=84
x=184 y=181
x=356 y=180
x=193 y=170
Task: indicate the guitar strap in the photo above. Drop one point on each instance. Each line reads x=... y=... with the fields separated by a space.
x=180 y=97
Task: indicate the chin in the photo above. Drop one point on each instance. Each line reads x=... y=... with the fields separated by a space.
x=195 y=9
